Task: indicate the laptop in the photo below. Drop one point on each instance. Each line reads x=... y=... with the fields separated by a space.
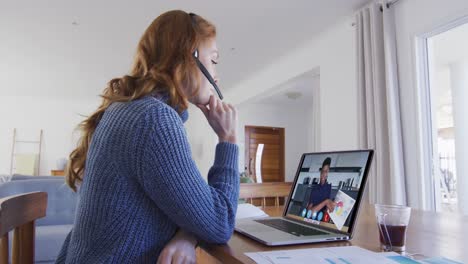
x=323 y=203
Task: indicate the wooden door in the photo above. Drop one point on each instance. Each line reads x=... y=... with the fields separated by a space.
x=272 y=162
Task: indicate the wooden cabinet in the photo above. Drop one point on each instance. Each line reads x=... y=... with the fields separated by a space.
x=57 y=173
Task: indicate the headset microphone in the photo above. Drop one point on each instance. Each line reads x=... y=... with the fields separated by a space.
x=207 y=74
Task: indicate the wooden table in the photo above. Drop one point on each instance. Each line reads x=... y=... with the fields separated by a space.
x=430 y=234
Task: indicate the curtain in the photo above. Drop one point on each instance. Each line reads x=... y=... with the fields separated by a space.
x=379 y=118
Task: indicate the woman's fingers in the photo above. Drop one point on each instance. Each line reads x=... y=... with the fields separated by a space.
x=213 y=103
x=233 y=110
x=226 y=107
x=220 y=105
x=222 y=117
x=182 y=259
x=165 y=257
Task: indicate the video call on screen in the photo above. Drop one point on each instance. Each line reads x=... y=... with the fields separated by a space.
x=327 y=188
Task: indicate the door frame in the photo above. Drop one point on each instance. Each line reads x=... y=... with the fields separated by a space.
x=425 y=95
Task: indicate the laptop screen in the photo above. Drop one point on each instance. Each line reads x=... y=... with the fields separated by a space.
x=328 y=188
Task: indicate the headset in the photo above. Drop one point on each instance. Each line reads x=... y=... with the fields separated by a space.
x=207 y=74
x=203 y=69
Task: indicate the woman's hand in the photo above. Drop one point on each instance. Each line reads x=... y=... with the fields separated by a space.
x=222 y=117
x=180 y=250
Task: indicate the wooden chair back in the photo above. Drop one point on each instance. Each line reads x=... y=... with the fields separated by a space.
x=265 y=190
x=18 y=213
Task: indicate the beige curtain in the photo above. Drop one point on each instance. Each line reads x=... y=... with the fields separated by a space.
x=378 y=104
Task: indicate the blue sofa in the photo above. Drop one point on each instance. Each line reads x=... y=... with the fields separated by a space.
x=61 y=204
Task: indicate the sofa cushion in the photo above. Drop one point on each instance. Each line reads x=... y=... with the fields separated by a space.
x=61 y=200
x=21 y=177
x=49 y=241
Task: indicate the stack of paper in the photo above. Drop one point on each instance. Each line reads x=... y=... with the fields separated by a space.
x=329 y=255
x=247 y=210
x=332 y=255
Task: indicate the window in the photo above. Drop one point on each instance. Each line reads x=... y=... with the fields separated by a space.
x=446 y=104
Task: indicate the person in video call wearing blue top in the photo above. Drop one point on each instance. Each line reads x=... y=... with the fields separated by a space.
x=320 y=195
x=142 y=198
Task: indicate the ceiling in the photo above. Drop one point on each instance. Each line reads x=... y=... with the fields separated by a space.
x=73 y=48
x=296 y=92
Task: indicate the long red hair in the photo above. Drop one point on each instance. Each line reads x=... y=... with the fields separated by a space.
x=163 y=64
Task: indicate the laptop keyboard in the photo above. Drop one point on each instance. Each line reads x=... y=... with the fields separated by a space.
x=291 y=228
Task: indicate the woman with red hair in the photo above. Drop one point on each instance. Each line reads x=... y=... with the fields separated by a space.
x=142 y=198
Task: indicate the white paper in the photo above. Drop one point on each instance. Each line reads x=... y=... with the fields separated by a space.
x=344 y=205
x=439 y=260
x=348 y=254
x=248 y=210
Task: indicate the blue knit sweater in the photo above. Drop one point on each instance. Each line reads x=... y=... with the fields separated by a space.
x=141 y=184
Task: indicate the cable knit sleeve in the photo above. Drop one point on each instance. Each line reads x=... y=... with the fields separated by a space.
x=172 y=180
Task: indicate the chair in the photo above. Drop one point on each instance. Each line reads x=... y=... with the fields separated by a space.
x=265 y=190
x=18 y=213
x=51 y=230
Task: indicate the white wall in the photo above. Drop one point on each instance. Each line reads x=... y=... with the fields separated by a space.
x=295 y=121
x=414 y=18
x=58 y=117
x=202 y=140
x=333 y=51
